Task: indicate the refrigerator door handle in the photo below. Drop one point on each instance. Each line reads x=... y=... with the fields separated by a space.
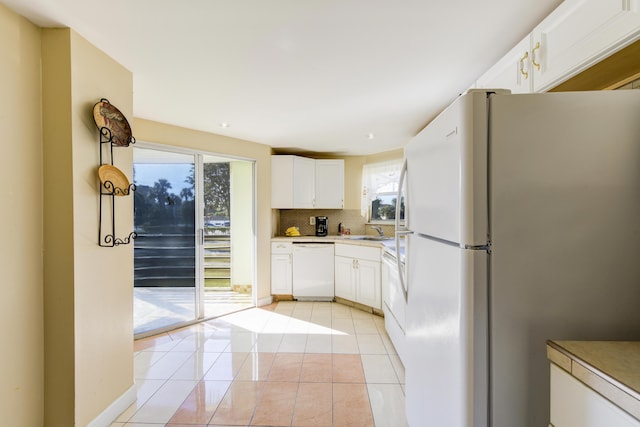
x=401 y=265
x=401 y=230
x=401 y=181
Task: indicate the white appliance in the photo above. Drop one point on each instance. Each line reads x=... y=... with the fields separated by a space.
x=394 y=304
x=313 y=271
x=523 y=222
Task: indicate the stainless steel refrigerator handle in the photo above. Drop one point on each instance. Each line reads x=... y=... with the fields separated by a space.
x=401 y=232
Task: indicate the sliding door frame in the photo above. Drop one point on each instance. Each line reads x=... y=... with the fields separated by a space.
x=198 y=155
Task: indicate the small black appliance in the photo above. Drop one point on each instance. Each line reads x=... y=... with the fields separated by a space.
x=322 y=224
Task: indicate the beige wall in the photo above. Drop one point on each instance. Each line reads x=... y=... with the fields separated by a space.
x=242 y=241
x=88 y=289
x=103 y=277
x=21 y=335
x=58 y=229
x=146 y=130
x=385 y=157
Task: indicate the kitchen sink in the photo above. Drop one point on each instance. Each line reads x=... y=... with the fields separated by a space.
x=374 y=238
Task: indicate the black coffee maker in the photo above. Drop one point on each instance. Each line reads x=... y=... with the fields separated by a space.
x=322 y=225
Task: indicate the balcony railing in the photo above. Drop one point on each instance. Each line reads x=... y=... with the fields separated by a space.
x=168 y=259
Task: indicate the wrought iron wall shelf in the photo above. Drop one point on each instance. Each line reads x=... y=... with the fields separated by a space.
x=115 y=132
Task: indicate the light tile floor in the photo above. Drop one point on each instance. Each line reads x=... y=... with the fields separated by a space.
x=288 y=364
x=160 y=307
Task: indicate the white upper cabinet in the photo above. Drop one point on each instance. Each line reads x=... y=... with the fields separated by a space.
x=329 y=184
x=580 y=33
x=303 y=183
x=512 y=72
x=292 y=182
x=575 y=36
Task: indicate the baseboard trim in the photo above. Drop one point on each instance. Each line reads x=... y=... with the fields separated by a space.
x=265 y=301
x=118 y=406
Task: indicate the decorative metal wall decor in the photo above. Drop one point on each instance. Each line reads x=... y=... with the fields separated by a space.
x=114 y=132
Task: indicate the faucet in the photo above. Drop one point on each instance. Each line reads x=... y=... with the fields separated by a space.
x=378 y=229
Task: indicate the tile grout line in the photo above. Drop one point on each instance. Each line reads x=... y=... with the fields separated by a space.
x=255 y=351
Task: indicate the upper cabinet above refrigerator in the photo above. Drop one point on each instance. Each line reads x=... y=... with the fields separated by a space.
x=512 y=72
x=579 y=34
x=575 y=36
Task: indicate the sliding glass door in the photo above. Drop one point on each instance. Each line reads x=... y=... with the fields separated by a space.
x=228 y=237
x=165 y=282
x=194 y=216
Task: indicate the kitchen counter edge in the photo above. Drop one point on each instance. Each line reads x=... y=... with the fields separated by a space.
x=611 y=368
x=385 y=245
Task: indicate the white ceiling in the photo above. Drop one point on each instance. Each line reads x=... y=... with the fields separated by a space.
x=298 y=75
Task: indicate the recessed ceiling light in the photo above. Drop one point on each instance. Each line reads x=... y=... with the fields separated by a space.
x=370 y=135
x=224 y=125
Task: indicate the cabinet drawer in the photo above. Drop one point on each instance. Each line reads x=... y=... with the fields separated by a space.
x=360 y=252
x=281 y=247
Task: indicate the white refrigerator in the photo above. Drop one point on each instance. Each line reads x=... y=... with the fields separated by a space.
x=522 y=225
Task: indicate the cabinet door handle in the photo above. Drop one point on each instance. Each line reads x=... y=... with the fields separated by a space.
x=533 y=56
x=522 y=71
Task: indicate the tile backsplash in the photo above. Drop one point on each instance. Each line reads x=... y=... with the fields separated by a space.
x=350 y=218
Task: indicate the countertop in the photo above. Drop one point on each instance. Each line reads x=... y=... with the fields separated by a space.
x=388 y=244
x=611 y=368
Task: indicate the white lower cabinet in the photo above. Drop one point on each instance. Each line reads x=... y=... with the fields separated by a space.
x=345 y=278
x=368 y=285
x=573 y=404
x=357 y=270
x=281 y=269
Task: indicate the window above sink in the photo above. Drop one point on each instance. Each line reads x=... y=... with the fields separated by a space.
x=379 y=191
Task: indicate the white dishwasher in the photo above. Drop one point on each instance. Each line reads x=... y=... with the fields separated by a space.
x=313 y=278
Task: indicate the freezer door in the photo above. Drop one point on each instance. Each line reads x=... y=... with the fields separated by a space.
x=446 y=329
x=447 y=174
